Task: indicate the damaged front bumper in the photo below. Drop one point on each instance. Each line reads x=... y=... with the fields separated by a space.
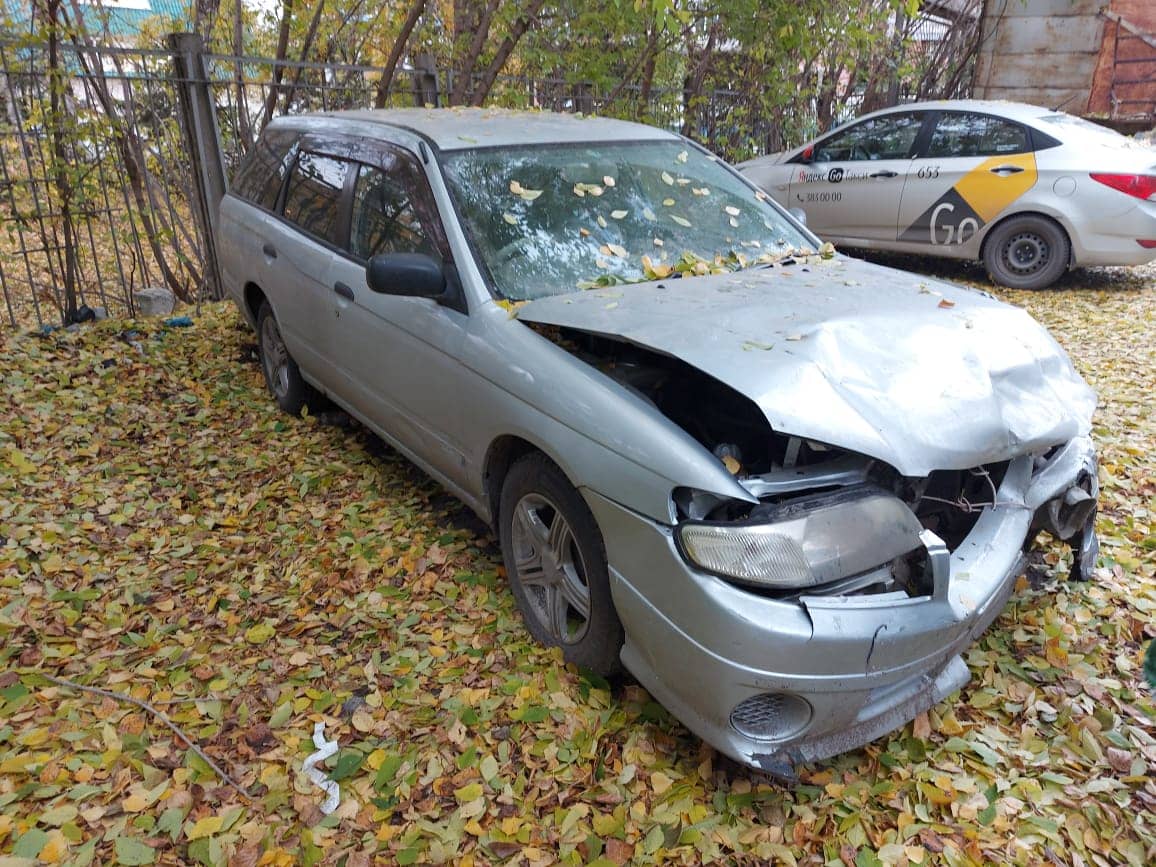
x=774 y=682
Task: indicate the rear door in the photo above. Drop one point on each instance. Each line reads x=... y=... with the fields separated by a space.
x=973 y=167
x=851 y=183
x=315 y=221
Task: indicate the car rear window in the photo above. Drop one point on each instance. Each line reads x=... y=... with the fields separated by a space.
x=261 y=174
x=313 y=199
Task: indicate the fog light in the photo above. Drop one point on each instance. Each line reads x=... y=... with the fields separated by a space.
x=771 y=716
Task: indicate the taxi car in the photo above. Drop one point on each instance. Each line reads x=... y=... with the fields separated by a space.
x=1026 y=190
x=785 y=489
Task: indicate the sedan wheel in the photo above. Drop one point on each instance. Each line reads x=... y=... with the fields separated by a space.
x=1027 y=252
x=556 y=562
x=281 y=372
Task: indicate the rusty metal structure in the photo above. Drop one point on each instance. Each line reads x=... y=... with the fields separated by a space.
x=1093 y=58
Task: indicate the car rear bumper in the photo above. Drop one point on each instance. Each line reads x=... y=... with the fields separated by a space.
x=1115 y=241
x=846 y=670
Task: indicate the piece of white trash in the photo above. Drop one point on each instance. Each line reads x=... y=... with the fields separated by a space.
x=324 y=750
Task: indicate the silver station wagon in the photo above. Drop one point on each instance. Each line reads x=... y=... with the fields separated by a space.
x=783 y=488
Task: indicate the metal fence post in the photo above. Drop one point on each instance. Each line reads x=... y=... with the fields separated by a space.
x=199 y=123
x=425 y=80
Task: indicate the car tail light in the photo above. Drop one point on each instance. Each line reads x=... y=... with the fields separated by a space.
x=1140 y=186
x=1147 y=243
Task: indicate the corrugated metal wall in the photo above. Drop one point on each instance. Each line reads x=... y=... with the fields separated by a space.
x=1040 y=51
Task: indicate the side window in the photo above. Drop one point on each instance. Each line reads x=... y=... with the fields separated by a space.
x=390 y=214
x=959 y=134
x=313 y=200
x=261 y=174
x=881 y=138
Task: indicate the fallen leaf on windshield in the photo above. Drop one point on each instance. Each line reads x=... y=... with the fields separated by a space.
x=827 y=251
x=649 y=214
x=584 y=232
x=594 y=189
x=700 y=191
x=658 y=242
x=604 y=250
x=602 y=221
x=611 y=305
x=601 y=263
x=734 y=222
x=682 y=221
x=668 y=178
x=515 y=188
x=682 y=182
x=510 y=218
x=682 y=155
x=579 y=191
x=511 y=307
x=732 y=210
x=794 y=337
x=655 y=270
x=618 y=250
x=944 y=302
x=618 y=215
x=759 y=194
x=530 y=195
x=607 y=180
x=733 y=467
x=754 y=344
x=668 y=202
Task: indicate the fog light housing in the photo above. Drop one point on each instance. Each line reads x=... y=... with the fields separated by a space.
x=771 y=716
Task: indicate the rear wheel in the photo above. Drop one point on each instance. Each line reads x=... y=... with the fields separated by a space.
x=282 y=375
x=1027 y=252
x=556 y=562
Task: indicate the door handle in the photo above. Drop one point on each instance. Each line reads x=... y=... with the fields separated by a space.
x=269 y=250
x=343 y=290
x=1006 y=170
x=886 y=173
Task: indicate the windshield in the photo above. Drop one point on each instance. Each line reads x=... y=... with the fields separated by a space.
x=551 y=220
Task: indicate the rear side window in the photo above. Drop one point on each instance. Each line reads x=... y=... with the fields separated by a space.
x=313 y=199
x=976 y=135
x=261 y=174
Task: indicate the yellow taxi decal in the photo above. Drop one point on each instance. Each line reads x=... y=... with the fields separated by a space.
x=989 y=192
x=977 y=198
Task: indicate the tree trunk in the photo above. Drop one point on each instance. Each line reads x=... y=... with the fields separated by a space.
x=395 y=54
x=278 y=69
x=523 y=23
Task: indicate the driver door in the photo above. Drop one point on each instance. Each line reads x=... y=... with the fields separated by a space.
x=851 y=184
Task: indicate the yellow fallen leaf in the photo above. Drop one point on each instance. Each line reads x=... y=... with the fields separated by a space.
x=55 y=849
x=205 y=827
x=362 y=721
x=134 y=804
x=659 y=781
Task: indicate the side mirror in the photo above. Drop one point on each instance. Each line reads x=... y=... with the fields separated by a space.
x=799 y=214
x=414 y=274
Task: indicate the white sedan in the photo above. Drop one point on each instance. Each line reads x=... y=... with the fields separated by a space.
x=1026 y=190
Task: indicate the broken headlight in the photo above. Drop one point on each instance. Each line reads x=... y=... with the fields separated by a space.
x=807 y=541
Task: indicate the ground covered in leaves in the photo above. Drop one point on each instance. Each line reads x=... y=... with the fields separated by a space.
x=165 y=533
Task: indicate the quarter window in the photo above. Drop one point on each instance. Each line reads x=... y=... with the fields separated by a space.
x=261 y=175
x=313 y=199
x=976 y=135
x=386 y=218
x=881 y=138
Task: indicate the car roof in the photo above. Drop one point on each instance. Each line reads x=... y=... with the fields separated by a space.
x=453 y=129
x=1020 y=111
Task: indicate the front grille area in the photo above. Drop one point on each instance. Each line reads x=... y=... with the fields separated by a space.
x=771 y=716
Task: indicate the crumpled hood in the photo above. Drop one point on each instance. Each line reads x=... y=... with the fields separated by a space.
x=918 y=373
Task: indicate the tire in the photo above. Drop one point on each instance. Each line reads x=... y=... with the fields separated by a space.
x=1027 y=252
x=556 y=563
x=282 y=374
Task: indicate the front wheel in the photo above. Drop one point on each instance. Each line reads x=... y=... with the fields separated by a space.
x=556 y=562
x=1027 y=252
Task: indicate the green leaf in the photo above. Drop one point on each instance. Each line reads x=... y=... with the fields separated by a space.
x=130 y=850
x=348 y=764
